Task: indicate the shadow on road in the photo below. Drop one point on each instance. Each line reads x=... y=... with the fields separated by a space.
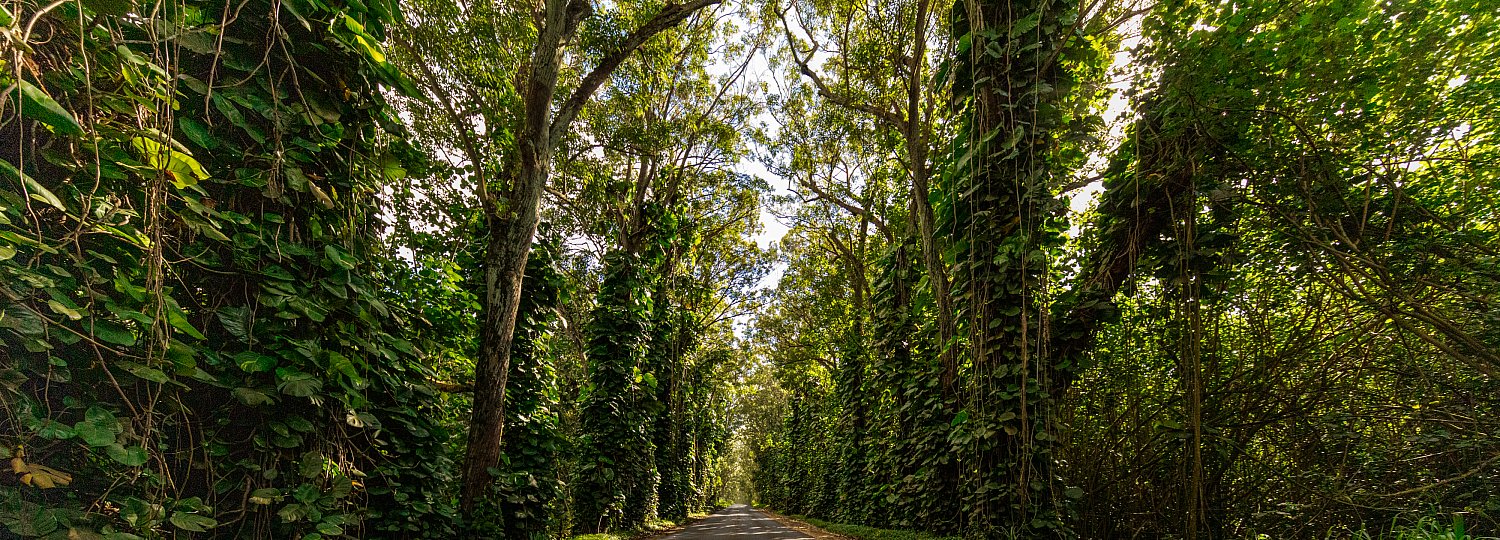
x=738 y=522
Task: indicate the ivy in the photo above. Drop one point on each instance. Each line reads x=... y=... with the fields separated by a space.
x=196 y=332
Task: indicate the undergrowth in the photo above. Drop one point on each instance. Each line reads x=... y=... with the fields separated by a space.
x=1425 y=528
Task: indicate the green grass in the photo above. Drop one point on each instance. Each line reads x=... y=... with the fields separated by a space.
x=1425 y=528
x=870 y=533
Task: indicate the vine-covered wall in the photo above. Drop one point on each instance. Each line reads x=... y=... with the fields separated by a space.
x=195 y=334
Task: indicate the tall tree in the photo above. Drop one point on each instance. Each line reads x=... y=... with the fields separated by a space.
x=510 y=191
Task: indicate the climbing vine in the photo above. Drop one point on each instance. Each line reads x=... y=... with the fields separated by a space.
x=196 y=339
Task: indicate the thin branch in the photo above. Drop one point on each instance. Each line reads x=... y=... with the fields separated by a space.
x=844 y=101
x=669 y=16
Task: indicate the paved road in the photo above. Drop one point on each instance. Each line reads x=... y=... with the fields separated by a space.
x=738 y=522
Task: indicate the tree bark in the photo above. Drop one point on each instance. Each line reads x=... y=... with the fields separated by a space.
x=511 y=215
x=917 y=154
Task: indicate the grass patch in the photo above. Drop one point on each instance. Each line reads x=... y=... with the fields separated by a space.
x=870 y=533
x=1426 y=528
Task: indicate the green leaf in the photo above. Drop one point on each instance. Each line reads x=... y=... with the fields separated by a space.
x=196 y=132
x=330 y=529
x=23 y=321
x=365 y=41
x=37 y=105
x=185 y=170
x=252 y=397
x=145 y=372
x=300 y=385
x=341 y=364
x=299 y=423
x=236 y=321
x=100 y=416
x=362 y=420
x=192 y=522
x=391 y=168
x=1026 y=24
x=94 y=435
x=337 y=257
x=178 y=319
x=294 y=7
x=60 y=309
x=311 y=465
x=117 y=8
x=130 y=456
x=265 y=496
x=33 y=189
x=254 y=362
x=112 y=332
x=292 y=513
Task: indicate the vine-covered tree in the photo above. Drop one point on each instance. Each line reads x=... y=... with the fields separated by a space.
x=986 y=269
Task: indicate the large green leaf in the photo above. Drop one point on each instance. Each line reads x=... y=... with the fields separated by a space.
x=37 y=105
x=236 y=320
x=34 y=189
x=252 y=397
x=193 y=522
x=113 y=332
x=94 y=435
x=130 y=456
x=254 y=362
x=299 y=384
x=185 y=170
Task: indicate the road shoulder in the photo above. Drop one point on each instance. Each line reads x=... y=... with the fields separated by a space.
x=802 y=527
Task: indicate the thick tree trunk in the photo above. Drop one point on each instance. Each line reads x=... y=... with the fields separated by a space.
x=505 y=264
x=511 y=213
x=1004 y=201
x=511 y=219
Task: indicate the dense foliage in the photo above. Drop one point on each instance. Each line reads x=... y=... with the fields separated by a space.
x=196 y=332
x=432 y=269
x=1267 y=323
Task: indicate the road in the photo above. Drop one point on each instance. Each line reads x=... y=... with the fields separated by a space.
x=738 y=522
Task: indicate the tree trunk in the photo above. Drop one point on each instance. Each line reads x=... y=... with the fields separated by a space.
x=511 y=213
x=917 y=154
x=505 y=263
x=1003 y=205
x=511 y=220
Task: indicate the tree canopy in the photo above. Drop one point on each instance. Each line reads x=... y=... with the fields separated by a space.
x=987 y=269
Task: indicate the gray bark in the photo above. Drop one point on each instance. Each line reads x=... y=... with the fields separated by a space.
x=511 y=214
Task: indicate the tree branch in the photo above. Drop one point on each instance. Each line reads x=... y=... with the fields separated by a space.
x=856 y=210
x=669 y=16
x=883 y=115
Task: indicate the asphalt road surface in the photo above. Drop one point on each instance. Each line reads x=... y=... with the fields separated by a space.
x=738 y=522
